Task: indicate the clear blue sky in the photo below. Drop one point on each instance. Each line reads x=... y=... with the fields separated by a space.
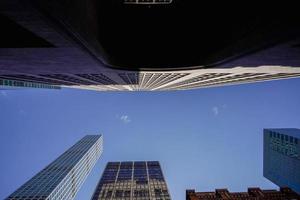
x=204 y=139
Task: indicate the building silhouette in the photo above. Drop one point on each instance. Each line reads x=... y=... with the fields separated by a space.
x=251 y=194
x=282 y=157
x=102 y=45
x=62 y=178
x=141 y=180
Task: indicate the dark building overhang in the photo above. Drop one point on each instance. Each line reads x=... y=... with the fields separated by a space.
x=181 y=35
x=15 y=36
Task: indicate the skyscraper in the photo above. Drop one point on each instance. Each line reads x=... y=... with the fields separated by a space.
x=132 y=181
x=252 y=194
x=282 y=157
x=64 y=176
x=133 y=45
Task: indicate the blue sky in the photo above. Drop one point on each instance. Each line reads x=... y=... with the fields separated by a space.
x=204 y=139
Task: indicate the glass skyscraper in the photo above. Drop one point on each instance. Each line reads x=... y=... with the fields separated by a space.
x=132 y=181
x=62 y=179
x=282 y=157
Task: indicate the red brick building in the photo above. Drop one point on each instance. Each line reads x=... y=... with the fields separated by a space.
x=252 y=194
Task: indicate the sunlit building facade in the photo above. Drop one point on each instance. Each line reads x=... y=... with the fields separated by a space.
x=282 y=157
x=64 y=176
x=132 y=181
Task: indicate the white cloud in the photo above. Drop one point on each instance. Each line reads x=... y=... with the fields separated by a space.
x=215 y=110
x=22 y=112
x=125 y=119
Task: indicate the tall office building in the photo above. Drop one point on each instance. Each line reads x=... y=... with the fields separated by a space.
x=64 y=176
x=282 y=157
x=251 y=194
x=132 y=181
x=133 y=45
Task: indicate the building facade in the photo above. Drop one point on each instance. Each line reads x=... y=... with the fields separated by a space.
x=62 y=178
x=106 y=48
x=15 y=84
x=252 y=194
x=132 y=181
x=282 y=157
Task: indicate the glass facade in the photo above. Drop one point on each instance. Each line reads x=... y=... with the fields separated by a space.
x=284 y=144
x=15 y=83
x=132 y=181
x=62 y=179
x=281 y=157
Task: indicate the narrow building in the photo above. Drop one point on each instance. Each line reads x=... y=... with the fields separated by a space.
x=62 y=178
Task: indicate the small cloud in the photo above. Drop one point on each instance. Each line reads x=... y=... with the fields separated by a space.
x=4 y=93
x=125 y=119
x=22 y=112
x=215 y=110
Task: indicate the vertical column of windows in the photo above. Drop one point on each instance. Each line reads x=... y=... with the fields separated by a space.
x=158 y=186
x=140 y=181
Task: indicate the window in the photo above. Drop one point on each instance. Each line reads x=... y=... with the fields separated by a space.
x=119 y=193
x=127 y=193
x=157 y=192
x=108 y=194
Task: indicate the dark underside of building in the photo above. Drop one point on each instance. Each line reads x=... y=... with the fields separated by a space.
x=179 y=35
x=113 y=45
